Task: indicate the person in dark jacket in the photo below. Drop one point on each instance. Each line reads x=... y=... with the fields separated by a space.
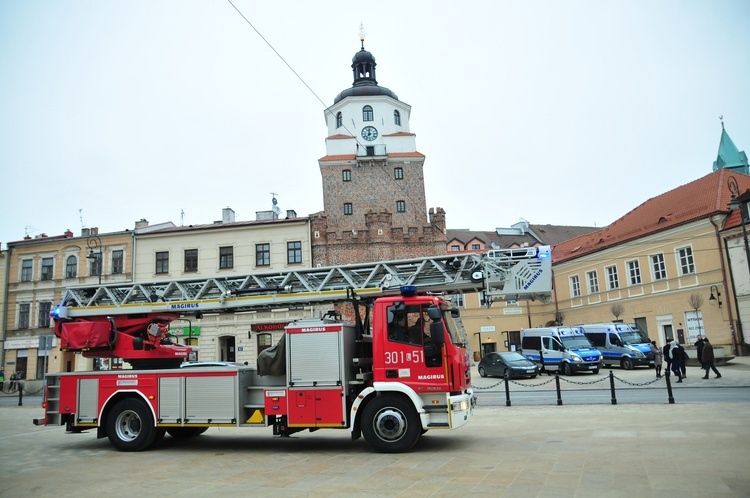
x=667 y=357
x=699 y=350
x=708 y=359
x=678 y=360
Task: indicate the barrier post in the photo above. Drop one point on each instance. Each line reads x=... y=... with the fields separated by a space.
x=507 y=390
x=20 y=393
x=612 y=386
x=557 y=385
x=669 y=389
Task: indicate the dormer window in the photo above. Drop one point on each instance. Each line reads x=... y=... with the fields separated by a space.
x=396 y=118
x=367 y=114
x=339 y=120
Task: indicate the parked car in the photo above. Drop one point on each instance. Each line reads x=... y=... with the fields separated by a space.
x=496 y=364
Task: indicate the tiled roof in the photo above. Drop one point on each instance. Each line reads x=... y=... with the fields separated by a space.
x=234 y=224
x=339 y=157
x=405 y=154
x=696 y=200
x=400 y=134
x=548 y=235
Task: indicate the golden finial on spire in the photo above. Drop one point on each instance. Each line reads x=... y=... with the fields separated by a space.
x=362 y=35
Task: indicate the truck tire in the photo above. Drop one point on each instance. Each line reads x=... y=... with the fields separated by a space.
x=626 y=363
x=130 y=425
x=186 y=432
x=567 y=369
x=391 y=424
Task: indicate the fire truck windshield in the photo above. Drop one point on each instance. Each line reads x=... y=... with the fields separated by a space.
x=452 y=326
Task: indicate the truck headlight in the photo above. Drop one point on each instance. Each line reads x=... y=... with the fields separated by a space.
x=639 y=353
x=575 y=358
x=460 y=406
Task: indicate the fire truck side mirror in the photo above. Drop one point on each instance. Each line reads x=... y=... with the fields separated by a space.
x=437 y=333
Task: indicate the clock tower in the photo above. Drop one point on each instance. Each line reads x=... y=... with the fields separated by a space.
x=373 y=178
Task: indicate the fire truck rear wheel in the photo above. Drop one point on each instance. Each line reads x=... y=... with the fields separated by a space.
x=391 y=424
x=130 y=425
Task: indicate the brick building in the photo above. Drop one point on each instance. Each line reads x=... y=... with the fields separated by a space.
x=373 y=179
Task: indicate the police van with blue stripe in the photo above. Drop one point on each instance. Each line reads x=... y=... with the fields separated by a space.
x=620 y=344
x=560 y=349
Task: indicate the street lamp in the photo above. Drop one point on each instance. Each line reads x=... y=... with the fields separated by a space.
x=715 y=299
x=95 y=253
x=740 y=202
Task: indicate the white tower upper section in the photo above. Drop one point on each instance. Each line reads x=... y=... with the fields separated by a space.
x=368 y=119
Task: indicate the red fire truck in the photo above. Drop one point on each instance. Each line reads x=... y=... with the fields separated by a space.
x=401 y=369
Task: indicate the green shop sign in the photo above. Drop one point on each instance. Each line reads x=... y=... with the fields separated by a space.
x=186 y=331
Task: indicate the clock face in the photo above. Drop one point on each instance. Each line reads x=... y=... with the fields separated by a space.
x=369 y=133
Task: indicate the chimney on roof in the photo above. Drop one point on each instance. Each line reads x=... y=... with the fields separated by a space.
x=142 y=223
x=68 y=234
x=85 y=232
x=291 y=214
x=94 y=230
x=227 y=215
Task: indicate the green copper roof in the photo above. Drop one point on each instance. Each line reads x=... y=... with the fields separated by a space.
x=729 y=157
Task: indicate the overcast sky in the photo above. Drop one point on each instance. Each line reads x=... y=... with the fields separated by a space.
x=559 y=112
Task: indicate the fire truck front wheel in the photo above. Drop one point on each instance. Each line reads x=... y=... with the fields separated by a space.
x=391 y=424
x=130 y=426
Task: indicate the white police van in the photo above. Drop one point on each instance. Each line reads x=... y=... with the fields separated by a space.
x=560 y=349
x=620 y=344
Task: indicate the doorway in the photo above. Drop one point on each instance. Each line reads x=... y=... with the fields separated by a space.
x=226 y=348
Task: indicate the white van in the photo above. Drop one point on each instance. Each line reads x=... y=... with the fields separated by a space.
x=620 y=344
x=561 y=349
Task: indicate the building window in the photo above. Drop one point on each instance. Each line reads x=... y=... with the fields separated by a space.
x=634 y=272
x=294 y=252
x=459 y=300
x=44 y=310
x=95 y=268
x=593 y=281
x=396 y=118
x=118 y=261
x=658 y=267
x=27 y=267
x=226 y=257
x=687 y=265
x=47 y=268
x=71 y=267
x=400 y=206
x=475 y=247
x=367 y=113
x=191 y=259
x=575 y=286
x=264 y=342
x=347 y=175
x=398 y=173
x=23 y=316
x=613 y=280
x=455 y=248
x=262 y=254
x=162 y=262
x=347 y=208
x=339 y=120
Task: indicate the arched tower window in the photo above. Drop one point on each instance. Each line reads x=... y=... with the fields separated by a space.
x=396 y=118
x=339 y=120
x=367 y=113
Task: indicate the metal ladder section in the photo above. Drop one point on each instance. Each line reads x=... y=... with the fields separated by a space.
x=510 y=273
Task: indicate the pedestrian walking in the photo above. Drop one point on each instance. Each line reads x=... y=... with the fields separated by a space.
x=678 y=361
x=699 y=350
x=708 y=359
x=666 y=350
x=13 y=382
x=2 y=380
x=658 y=356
